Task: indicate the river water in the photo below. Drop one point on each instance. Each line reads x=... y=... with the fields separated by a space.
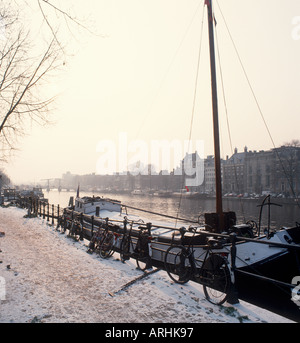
x=245 y=209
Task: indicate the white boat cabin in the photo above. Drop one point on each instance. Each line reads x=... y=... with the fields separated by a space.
x=93 y=205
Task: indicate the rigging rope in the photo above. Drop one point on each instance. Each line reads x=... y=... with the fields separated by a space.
x=227 y=121
x=193 y=107
x=259 y=108
x=167 y=72
x=162 y=215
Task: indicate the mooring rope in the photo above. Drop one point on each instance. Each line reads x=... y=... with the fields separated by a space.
x=162 y=215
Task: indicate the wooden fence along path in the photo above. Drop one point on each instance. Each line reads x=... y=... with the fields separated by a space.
x=37 y=207
x=62 y=216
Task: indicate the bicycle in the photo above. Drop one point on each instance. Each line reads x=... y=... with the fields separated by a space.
x=126 y=243
x=109 y=241
x=65 y=222
x=96 y=240
x=75 y=229
x=139 y=251
x=143 y=249
x=212 y=271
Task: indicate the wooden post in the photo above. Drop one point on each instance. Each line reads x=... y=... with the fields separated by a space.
x=148 y=225
x=81 y=226
x=52 y=214
x=65 y=221
x=47 y=212
x=57 y=215
x=232 y=295
x=233 y=249
x=125 y=226
x=92 y=232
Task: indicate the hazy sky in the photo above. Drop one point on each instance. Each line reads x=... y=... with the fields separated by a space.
x=136 y=79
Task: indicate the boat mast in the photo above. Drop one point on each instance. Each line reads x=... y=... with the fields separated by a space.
x=218 y=176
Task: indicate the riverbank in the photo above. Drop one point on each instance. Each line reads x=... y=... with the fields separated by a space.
x=50 y=278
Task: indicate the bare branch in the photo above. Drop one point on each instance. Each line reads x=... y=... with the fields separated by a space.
x=67 y=15
x=48 y=23
x=22 y=73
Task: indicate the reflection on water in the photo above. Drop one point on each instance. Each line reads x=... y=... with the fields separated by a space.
x=245 y=209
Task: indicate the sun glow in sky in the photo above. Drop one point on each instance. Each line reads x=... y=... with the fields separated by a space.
x=137 y=76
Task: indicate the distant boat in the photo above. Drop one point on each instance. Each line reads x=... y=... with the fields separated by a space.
x=35 y=191
x=163 y=193
x=137 y=192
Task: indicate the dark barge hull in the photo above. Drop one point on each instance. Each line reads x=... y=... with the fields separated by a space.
x=254 y=285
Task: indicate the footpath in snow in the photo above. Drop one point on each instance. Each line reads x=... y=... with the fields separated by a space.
x=47 y=277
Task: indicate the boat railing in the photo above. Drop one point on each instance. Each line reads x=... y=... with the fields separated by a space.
x=266 y=202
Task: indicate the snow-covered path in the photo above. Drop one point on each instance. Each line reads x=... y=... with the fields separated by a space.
x=49 y=277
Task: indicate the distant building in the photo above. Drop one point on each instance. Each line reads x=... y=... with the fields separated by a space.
x=258 y=169
x=234 y=173
x=286 y=170
x=209 y=175
x=260 y=172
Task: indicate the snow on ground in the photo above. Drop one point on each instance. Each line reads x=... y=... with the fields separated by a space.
x=48 y=277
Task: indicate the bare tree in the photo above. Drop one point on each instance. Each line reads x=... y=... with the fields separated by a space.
x=23 y=70
x=4 y=179
x=25 y=67
x=289 y=157
x=47 y=6
x=293 y=143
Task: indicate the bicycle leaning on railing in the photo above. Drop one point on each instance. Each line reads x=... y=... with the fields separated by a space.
x=109 y=242
x=105 y=240
x=96 y=240
x=139 y=249
x=72 y=224
x=210 y=268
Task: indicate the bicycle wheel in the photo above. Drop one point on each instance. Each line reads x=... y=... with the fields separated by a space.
x=217 y=280
x=125 y=249
x=94 y=244
x=143 y=262
x=177 y=264
x=106 y=246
